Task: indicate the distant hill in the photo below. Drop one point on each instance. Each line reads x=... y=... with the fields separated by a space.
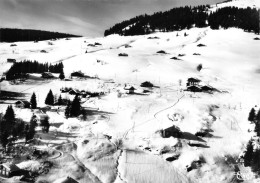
x=187 y=17
x=14 y=35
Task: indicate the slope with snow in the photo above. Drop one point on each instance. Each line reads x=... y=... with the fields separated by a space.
x=230 y=61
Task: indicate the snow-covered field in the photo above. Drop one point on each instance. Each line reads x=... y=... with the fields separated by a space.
x=230 y=63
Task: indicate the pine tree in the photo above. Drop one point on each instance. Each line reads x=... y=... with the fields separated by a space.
x=33 y=101
x=251 y=116
x=257 y=117
x=257 y=129
x=9 y=114
x=68 y=109
x=249 y=153
x=61 y=76
x=31 y=129
x=75 y=107
x=256 y=161
x=60 y=100
x=49 y=99
x=45 y=124
x=9 y=118
x=3 y=133
x=4 y=138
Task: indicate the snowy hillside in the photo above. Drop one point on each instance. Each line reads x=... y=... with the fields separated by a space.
x=123 y=137
x=229 y=65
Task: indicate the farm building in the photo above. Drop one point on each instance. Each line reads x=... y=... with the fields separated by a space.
x=131 y=89
x=11 y=60
x=77 y=74
x=22 y=104
x=161 y=52
x=9 y=170
x=47 y=75
x=74 y=92
x=172 y=131
x=123 y=55
x=193 y=82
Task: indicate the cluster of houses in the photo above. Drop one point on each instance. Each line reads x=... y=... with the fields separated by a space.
x=81 y=93
x=193 y=86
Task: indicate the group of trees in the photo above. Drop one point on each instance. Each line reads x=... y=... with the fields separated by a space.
x=252 y=155
x=15 y=35
x=27 y=66
x=186 y=17
x=12 y=128
x=52 y=100
x=246 y=19
x=73 y=109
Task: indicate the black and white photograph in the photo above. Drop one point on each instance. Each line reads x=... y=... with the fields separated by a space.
x=129 y=91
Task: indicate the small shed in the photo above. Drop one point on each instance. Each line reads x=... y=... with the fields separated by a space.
x=9 y=170
x=172 y=131
x=47 y=75
x=22 y=104
x=11 y=60
x=193 y=81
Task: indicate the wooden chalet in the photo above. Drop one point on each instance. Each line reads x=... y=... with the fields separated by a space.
x=22 y=104
x=9 y=170
x=193 y=81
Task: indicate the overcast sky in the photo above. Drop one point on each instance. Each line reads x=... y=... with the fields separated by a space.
x=81 y=17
